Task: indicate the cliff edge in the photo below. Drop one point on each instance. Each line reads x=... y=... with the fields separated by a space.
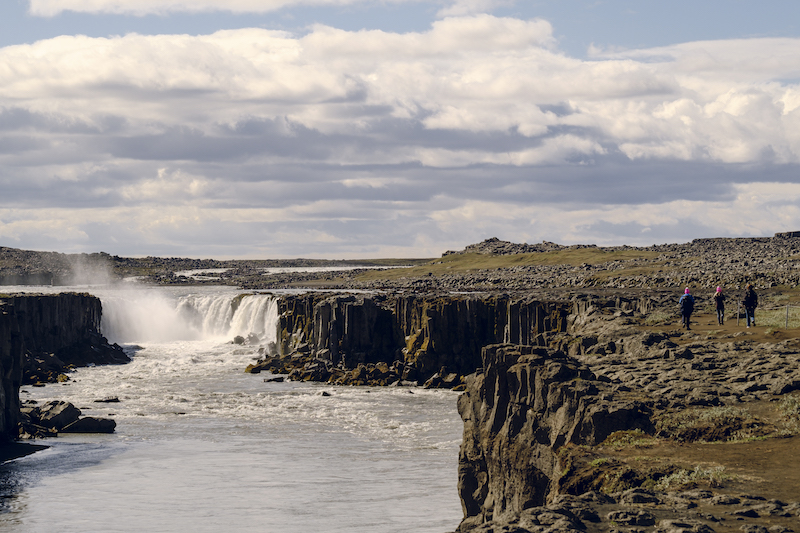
x=42 y=336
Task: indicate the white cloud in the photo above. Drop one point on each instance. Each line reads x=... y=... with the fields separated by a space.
x=49 y=8
x=341 y=139
x=469 y=7
x=479 y=74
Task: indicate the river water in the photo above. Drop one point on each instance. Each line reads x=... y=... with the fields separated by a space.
x=200 y=446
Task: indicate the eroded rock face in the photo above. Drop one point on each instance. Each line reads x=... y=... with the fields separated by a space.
x=525 y=404
x=427 y=333
x=11 y=357
x=60 y=331
x=42 y=335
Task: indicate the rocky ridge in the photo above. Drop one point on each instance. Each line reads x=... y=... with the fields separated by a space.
x=731 y=262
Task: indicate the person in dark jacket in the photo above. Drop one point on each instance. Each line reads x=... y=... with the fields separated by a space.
x=719 y=303
x=686 y=304
x=750 y=302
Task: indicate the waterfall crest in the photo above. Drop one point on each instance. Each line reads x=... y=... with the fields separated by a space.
x=155 y=316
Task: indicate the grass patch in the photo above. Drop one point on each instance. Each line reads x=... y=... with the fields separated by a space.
x=776 y=318
x=789 y=407
x=658 y=318
x=630 y=438
x=711 y=477
x=712 y=424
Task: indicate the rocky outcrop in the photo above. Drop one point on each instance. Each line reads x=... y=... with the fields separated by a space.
x=426 y=334
x=60 y=417
x=519 y=411
x=59 y=332
x=494 y=246
x=38 y=331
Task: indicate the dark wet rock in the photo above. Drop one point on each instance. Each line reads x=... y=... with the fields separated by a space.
x=112 y=399
x=60 y=417
x=60 y=332
x=425 y=333
x=90 y=424
x=12 y=352
x=56 y=414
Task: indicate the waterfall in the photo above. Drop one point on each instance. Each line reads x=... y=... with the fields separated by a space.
x=157 y=316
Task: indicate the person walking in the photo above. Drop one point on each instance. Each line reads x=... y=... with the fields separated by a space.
x=750 y=302
x=719 y=303
x=686 y=304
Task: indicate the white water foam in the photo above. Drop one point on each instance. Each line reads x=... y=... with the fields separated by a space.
x=149 y=315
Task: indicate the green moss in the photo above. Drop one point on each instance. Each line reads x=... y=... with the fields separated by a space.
x=789 y=407
x=633 y=438
x=711 y=477
x=656 y=318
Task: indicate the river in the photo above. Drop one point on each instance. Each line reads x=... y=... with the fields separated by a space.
x=200 y=446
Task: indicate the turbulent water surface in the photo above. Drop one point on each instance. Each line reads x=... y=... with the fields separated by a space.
x=201 y=446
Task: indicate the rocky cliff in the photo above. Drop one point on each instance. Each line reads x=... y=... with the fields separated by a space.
x=11 y=358
x=42 y=336
x=425 y=333
x=553 y=434
x=519 y=411
x=61 y=331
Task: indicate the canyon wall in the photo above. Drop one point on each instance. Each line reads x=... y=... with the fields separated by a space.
x=11 y=358
x=425 y=332
x=42 y=335
x=525 y=404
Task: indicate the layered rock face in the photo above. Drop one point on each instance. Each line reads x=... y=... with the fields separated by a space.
x=11 y=358
x=44 y=334
x=525 y=404
x=425 y=332
x=59 y=331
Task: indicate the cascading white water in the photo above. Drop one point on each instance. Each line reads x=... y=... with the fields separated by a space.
x=156 y=316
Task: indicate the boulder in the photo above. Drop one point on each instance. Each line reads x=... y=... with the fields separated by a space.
x=56 y=414
x=90 y=424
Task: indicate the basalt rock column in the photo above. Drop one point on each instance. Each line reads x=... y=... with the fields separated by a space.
x=526 y=404
x=11 y=357
x=425 y=332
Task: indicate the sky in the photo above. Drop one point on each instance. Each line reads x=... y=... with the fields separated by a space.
x=394 y=128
